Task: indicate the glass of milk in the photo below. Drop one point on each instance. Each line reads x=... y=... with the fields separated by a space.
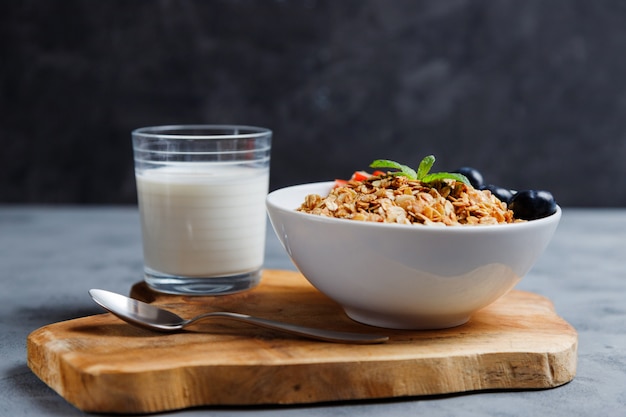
x=201 y=191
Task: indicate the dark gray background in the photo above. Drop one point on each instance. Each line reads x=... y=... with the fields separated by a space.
x=532 y=93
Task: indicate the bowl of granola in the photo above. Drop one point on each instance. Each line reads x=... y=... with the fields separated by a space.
x=404 y=253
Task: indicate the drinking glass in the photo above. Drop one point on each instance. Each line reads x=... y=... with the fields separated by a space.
x=201 y=191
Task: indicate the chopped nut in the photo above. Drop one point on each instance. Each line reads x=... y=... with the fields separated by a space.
x=395 y=199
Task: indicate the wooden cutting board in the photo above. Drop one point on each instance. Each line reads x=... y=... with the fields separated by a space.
x=101 y=364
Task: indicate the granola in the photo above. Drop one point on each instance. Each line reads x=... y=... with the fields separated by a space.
x=397 y=199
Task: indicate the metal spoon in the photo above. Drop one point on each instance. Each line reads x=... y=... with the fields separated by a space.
x=155 y=318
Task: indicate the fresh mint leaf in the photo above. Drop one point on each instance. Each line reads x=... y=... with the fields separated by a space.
x=425 y=165
x=445 y=176
x=404 y=170
x=422 y=173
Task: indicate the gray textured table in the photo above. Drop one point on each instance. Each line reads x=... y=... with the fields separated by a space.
x=51 y=256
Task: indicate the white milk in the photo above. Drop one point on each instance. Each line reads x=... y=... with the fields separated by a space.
x=203 y=221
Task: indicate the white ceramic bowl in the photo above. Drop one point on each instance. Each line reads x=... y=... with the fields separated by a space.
x=406 y=276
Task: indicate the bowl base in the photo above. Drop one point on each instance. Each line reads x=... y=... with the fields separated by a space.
x=405 y=321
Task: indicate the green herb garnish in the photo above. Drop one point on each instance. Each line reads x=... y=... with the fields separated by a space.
x=422 y=173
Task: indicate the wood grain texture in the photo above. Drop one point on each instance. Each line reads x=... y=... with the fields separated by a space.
x=101 y=364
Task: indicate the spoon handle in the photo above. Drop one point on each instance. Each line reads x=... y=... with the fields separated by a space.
x=310 y=332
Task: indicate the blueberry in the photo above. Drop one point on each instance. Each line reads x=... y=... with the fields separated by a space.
x=501 y=193
x=473 y=175
x=532 y=204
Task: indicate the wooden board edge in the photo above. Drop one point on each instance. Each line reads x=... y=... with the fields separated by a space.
x=296 y=384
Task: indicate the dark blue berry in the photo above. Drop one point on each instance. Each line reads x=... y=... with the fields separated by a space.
x=473 y=175
x=503 y=194
x=532 y=204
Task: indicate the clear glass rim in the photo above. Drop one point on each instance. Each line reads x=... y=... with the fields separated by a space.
x=161 y=132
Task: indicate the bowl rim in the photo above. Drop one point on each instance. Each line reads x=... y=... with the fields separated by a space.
x=273 y=196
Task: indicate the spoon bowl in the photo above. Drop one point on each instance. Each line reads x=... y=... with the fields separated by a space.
x=151 y=317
